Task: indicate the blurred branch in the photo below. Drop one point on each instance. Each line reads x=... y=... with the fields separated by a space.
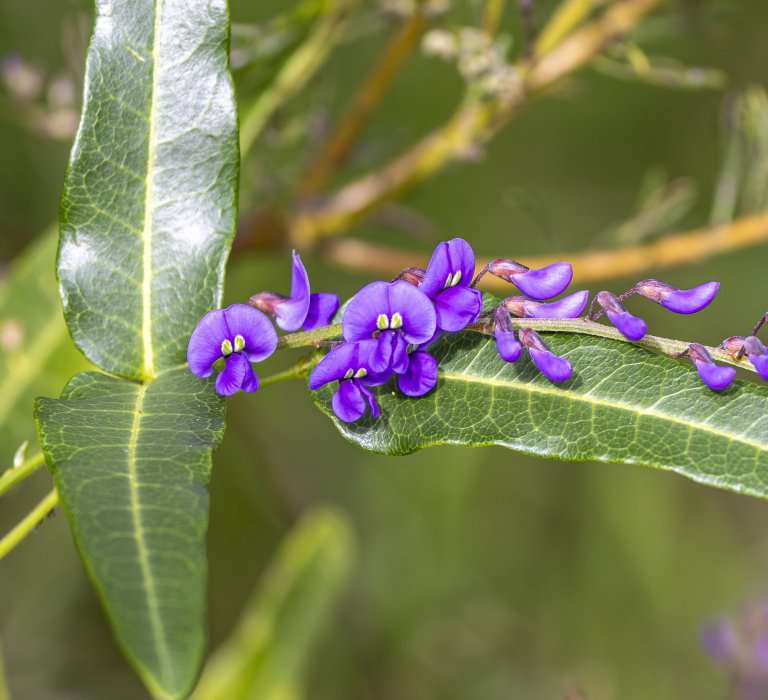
x=474 y=123
x=568 y=15
x=492 y=15
x=28 y=524
x=16 y=474
x=297 y=71
x=375 y=87
x=589 y=266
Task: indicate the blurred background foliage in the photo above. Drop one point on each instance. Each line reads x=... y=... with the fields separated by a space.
x=477 y=574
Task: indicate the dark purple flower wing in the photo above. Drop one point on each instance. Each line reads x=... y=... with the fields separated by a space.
x=571 y=306
x=322 y=309
x=390 y=353
x=546 y=282
x=457 y=307
x=348 y=402
x=507 y=345
x=235 y=373
x=257 y=331
x=689 y=301
x=368 y=394
x=716 y=377
x=420 y=376
x=552 y=366
x=250 y=381
x=452 y=264
x=205 y=343
x=630 y=326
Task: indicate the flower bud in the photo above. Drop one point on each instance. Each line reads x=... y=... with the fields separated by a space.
x=571 y=306
x=553 y=367
x=755 y=350
x=716 y=377
x=507 y=344
x=631 y=327
x=681 y=301
x=413 y=275
x=543 y=283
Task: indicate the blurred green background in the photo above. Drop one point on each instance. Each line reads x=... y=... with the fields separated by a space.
x=477 y=574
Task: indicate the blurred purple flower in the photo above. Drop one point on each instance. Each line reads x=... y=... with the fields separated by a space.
x=241 y=335
x=349 y=363
x=681 y=301
x=630 y=326
x=571 y=306
x=301 y=309
x=716 y=377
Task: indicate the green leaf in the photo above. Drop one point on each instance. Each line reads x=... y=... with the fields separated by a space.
x=36 y=353
x=132 y=463
x=623 y=404
x=148 y=209
x=263 y=658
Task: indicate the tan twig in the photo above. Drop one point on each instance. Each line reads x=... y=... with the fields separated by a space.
x=588 y=266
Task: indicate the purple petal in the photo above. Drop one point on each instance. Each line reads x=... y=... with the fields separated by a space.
x=322 y=309
x=553 y=367
x=348 y=402
x=251 y=381
x=421 y=375
x=416 y=309
x=336 y=364
x=290 y=313
x=681 y=301
x=457 y=307
x=390 y=353
x=718 y=639
x=400 y=355
x=546 y=282
x=371 y=398
x=571 y=306
x=716 y=377
x=761 y=365
x=630 y=326
x=450 y=257
x=257 y=331
x=231 y=379
x=360 y=314
x=205 y=343
x=507 y=344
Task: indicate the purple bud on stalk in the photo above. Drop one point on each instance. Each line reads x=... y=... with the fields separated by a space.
x=553 y=367
x=716 y=377
x=507 y=345
x=630 y=326
x=734 y=345
x=756 y=352
x=681 y=301
x=544 y=283
x=413 y=275
x=571 y=306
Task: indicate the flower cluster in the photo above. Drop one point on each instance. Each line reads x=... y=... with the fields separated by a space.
x=388 y=327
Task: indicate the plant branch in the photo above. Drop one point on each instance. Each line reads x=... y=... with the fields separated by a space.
x=16 y=474
x=588 y=266
x=583 y=326
x=374 y=88
x=473 y=124
x=39 y=513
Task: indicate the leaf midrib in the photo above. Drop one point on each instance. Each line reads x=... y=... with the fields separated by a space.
x=158 y=632
x=591 y=400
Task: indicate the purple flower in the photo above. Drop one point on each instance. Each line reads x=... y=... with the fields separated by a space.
x=631 y=326
x=507 y=344
x=571 y=306
x=755 y=350
x=716 y=377
x=544 y=283
x=241 y=335
x=420 y=376
x=395 y=314
x=681 y=301
x=301 y=308
x=447 y=283
x=552 y=366
x=349 y=363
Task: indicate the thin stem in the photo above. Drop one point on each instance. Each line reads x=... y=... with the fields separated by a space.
x=583 y=326
x=298 y=371
x=568 y=15
x=759 y=324
x=39 y=513
x=597 y=265
x=374 y=88
x=16 y=474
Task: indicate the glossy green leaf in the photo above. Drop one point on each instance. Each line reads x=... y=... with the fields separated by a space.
x=264 y=657
x=36 y=353
x=623 y=404
x=132 y=463
x=148 y=209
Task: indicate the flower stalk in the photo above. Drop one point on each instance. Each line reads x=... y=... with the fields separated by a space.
x=28 y=524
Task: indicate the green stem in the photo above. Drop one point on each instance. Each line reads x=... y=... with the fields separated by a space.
x=16 y=474
x=29 y=523
x=298 y=371
x=665 y=346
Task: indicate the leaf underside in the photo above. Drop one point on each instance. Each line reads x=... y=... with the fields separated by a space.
x=132 y=464
x=623 y=404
